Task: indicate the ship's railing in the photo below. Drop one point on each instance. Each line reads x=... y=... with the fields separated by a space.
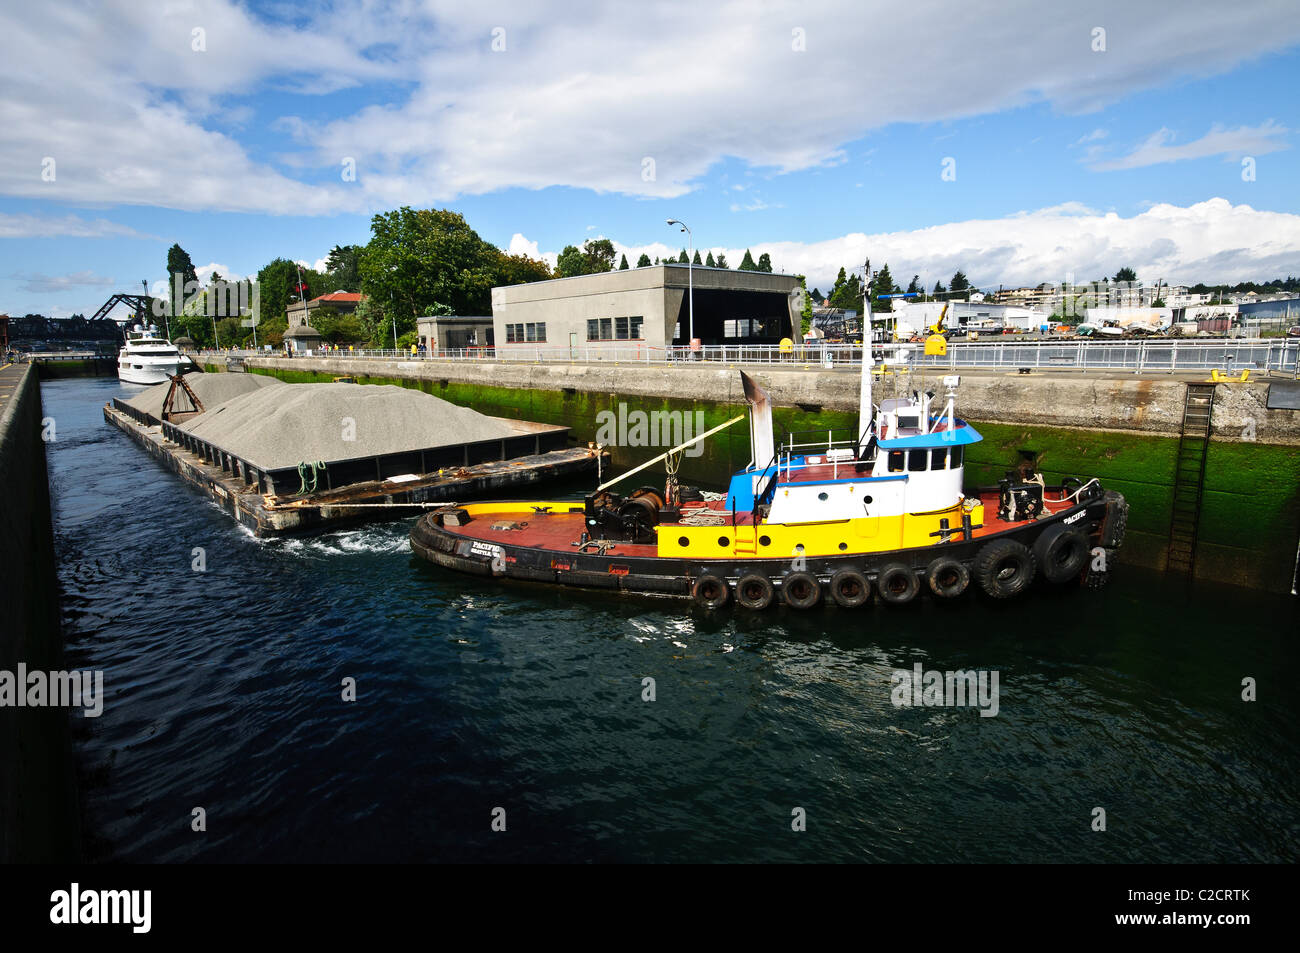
x=1151 y=355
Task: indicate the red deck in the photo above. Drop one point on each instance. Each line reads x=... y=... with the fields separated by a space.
x=560 y=531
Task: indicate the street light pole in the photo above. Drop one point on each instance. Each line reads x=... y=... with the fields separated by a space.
x=690 y=281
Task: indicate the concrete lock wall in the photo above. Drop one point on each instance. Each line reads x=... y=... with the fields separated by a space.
x=1124 y=431
x=38 y=803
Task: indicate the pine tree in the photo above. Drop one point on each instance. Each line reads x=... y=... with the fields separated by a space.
x=697 y=258
x=709 y=261
x=722 y=261
x=644 y=260
x=683 y=259
x=765 y=262
x=622 y=265
x=747 y=263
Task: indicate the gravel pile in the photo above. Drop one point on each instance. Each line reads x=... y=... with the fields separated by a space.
x=283 y=426
x=211 y=389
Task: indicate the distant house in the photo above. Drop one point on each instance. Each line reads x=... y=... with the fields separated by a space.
x=4 y=332
x=344 y=302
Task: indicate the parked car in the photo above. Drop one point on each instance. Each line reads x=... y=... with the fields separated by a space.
x=1293 y=331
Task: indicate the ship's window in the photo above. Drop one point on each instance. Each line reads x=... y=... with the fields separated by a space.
x=916 y=461
x=843 y=546
x=895 y=461
x=683 y=541
x=823 y=496
x=937 y=459
x=765 y=540
x=909 y=420
x=866 y=500
x=723 y=541
x=956 y=457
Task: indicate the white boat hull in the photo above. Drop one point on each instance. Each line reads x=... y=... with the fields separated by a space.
x=138 y=370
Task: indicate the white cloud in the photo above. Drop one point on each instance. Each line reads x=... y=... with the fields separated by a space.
x=1229 y=143
x=205 y=272
x=64 y=226
x=48 y=284
x=576 y=100
x=1211 y=241
x=1092 y=136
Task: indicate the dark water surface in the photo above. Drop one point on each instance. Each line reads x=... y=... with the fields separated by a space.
x=223 y=691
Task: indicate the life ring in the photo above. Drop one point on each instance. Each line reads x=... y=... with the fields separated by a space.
x=710 y=592
x=754 y=591
x=948 y=577
x=801 y=590
x=849 y=588
x=897 y=583
x=1004 y=568
x=1061 y=552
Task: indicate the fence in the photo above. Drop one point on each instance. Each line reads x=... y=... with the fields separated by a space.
x=1146 y=356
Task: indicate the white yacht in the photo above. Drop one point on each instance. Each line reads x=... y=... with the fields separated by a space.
x=147 y=357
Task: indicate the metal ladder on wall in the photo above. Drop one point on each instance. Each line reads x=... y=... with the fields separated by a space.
x=1189 y=476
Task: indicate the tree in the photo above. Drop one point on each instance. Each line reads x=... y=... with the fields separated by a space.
x=883 y=284
x=644 y=261
x=959 y=283
x=520 y=269
x=416 y=258
x=914 y=286
x=342 y=264
x=596 y=256
x=622 y=265
x=765 y=262
x=722 y=261
x=1125 y=274
x=805 y=313
x=697 y=261
x=817 y=295
x=179 y=266
x=683 y=259
x=747 y=263
x=846 y=293
x=939 y=288
x=708 y=261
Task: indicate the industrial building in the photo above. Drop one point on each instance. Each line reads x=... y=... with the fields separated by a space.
x=646 y=307
x=455 y=332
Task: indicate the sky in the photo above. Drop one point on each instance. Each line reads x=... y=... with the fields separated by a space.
x=1018 y=141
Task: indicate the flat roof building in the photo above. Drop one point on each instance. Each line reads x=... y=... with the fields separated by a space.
x=647 y=307
x=455 y=332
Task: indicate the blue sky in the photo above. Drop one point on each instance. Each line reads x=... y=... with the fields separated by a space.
x=814 y=132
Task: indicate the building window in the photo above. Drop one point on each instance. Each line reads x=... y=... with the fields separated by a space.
x=742 y=327
x=535 y=331
x=635 y=323
x=620 y=329
x=514 y=334
x=593 y=329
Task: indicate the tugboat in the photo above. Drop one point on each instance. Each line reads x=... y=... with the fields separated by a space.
x=886 y=514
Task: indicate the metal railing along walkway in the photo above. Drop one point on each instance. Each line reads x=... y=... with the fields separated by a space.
x=1145 y=356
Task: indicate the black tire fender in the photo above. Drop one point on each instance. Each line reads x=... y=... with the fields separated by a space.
x=1004 y=568
x=754 y=591
x=801 y=590
x=897 y=583
x=710 y=591
x=1062 y=552
x=849 y=588
x=947 y=577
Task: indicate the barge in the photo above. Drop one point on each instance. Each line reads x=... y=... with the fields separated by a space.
x=884 y=512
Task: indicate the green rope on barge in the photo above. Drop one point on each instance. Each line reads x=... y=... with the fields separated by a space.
x=309 y=468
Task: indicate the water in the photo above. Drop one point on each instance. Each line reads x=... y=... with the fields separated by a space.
x=224 y=693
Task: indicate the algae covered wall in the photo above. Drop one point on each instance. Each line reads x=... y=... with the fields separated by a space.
x=1250 y=515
